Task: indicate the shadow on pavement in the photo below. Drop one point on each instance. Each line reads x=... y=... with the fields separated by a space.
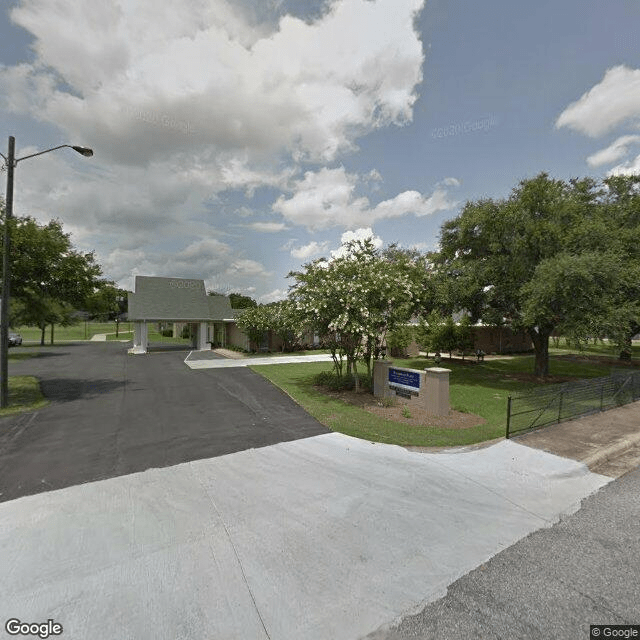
x=162 y=348
x=24 y=355
x=69 y=389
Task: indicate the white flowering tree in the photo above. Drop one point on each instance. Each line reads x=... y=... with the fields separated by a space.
x=254 y=321
x=279 y=317
x=285 y=323
x=353 y=300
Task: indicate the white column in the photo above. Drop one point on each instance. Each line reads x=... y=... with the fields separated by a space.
x=201 y=336
x=140 y=338
x=145 y=337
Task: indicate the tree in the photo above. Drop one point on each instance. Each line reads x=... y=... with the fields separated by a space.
x=621 y=213
x=285 y=322
x=426 y=331
x=255 y=322
x=446 y=336
x=354 y=300
x=400 y=338
x=491 y=253
x=49 y=278
x=106 y=302
x=464 y=335
x=239 y=301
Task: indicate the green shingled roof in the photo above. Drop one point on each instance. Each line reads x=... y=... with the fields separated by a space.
x=176 y=299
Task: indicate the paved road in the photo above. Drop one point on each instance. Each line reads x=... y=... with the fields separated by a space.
x=114 y=414
x=552 y=584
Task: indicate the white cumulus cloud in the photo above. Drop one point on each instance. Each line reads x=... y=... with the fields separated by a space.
x=352 y=236
x=614 y=151
x=273 y=296
x=142 y=83
x=268 y=227
x=185 y=101
x=630 y=168
x=312 y=249
x=326 y=198
x=613 y=101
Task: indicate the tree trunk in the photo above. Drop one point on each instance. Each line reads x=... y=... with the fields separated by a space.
x=42 y=330
x=52 y=333
x=541 y=345
x=626 y=352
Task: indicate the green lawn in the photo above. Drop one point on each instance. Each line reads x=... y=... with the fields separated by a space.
x=80 y=331
x=479 y=388
x=599 y=349
x=24 y=395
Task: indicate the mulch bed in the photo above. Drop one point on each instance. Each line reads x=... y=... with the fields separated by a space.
x=418 y=417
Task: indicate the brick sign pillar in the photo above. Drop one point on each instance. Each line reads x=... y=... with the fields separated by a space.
x=436 y=398
x=381 y=378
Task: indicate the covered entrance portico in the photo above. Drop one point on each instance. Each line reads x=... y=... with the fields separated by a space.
x=200 y=341
x=180 y=301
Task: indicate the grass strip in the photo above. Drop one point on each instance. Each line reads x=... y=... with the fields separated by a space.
x=24 y=395
x=80 y=331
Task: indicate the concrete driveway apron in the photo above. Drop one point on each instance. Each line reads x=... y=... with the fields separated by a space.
x=323 y=537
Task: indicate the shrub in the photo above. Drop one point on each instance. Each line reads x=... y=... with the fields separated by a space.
x=345 y=382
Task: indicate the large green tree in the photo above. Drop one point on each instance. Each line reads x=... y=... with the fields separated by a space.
x=49 y=278
x=107 y=302
x=529 y=259
x=239 y=301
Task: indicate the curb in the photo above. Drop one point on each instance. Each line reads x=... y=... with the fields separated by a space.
x=604 y=454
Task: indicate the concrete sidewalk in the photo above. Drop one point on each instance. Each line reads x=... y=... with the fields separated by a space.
x=202 y=360
x=326 y=537
x=607 y=442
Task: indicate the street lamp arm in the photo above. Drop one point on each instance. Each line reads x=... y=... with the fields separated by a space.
x=81 y=150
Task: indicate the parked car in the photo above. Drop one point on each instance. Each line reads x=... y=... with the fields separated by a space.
x=15 y=339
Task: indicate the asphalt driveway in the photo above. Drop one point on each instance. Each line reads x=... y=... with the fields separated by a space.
x=113 y=414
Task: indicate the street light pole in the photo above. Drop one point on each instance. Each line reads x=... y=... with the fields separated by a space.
x=11 y=162
x=6 y=278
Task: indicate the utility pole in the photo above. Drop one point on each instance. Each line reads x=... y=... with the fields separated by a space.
x=6 y=278
x=11 y=162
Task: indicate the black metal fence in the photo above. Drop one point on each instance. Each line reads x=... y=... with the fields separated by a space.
x=550 y=405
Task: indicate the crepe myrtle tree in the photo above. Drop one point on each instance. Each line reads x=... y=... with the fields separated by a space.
x=285 y=323
x=255 y=322
x=352 y=301
x=279 y=317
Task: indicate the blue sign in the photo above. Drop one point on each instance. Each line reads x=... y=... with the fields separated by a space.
x=405 y=378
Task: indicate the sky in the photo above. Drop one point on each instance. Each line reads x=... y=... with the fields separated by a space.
x=235 y=141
